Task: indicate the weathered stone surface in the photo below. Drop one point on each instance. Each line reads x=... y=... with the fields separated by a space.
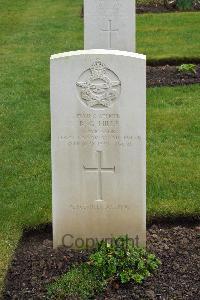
x=98 y=112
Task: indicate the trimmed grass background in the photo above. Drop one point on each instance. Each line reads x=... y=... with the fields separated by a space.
x=169 y=36
x=31 y=32
x=173 y=147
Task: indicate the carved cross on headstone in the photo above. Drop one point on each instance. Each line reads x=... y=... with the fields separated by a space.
x=99 y=171
x=110 y=30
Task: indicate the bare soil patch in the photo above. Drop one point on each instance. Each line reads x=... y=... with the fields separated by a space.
x=169 y=76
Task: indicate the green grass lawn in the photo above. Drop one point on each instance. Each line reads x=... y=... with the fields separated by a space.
x=31 y=32
x=173 y=146
x=169 y=36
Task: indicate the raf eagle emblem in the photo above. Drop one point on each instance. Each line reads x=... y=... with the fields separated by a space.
x=99 y=90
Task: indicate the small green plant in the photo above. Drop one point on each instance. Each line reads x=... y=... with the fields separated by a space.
x=187 y=68
x=118 y=260
x=122 y=261
x=184 y=4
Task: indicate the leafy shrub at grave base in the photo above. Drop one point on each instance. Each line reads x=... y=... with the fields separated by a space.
x=119 y=261
x=187 y=69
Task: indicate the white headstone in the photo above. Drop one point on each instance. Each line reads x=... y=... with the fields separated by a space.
x=109 y=24
x=98 y=113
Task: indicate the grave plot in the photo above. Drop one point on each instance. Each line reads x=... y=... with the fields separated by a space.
x=113 y=164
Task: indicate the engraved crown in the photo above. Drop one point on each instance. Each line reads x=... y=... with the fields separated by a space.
x=98 y=66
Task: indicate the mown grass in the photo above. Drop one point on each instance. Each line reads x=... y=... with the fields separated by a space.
x=31 y=32
x=173 y=145
x=172 y=36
